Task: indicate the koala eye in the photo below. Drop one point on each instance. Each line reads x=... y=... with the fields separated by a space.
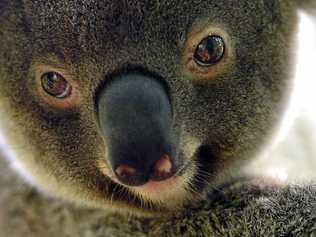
x=56 y=85
x=209 y=51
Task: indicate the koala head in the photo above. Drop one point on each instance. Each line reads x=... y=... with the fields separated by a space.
x=141 y=105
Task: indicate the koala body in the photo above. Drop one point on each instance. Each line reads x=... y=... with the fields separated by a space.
x=142 y=106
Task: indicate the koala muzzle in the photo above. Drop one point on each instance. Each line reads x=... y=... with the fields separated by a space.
x=136 y=120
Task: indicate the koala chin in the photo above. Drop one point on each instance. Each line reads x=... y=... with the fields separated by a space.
x=142 y=106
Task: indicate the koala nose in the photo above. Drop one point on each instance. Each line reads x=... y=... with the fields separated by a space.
x=137 y=125
x=162 y=170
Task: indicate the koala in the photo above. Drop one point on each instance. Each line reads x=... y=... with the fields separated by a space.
x=142 y=106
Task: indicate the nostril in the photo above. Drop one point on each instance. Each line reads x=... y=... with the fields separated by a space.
x=125 y=172
x=130 y=176
x=163 y=164
x=162 y=169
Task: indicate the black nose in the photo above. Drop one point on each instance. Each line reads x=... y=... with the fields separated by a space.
x=136 y=121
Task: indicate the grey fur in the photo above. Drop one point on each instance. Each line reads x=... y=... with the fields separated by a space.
x=240 y=210
x=235 y=113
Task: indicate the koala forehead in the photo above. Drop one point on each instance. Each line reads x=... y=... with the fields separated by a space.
x=100 y=26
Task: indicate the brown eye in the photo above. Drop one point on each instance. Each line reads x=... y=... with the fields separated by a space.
x=56 y=85
x=209 y=51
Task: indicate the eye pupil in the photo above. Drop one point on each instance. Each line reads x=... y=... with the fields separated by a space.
x=209 y=51
x=55 y=85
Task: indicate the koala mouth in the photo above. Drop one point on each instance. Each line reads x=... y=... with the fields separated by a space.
x=188 y=184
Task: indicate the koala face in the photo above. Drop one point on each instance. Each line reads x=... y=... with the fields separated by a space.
x=141 y=105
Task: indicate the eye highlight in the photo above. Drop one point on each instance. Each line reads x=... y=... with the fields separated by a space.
x=209 y=51
x=56 y=85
